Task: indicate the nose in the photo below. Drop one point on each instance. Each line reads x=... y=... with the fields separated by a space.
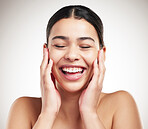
x=72 y=54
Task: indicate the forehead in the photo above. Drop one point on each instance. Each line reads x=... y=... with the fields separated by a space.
x=73 y=28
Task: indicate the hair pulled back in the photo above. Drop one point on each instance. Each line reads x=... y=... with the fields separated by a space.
x=77 y=12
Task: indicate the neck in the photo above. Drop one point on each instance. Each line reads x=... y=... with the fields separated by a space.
x=70 y=106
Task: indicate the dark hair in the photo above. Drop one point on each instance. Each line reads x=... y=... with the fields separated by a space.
x=78 y=12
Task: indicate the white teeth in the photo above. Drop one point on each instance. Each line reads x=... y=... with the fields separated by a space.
x=72 y=70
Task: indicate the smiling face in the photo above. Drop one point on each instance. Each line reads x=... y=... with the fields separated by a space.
x=73 y=46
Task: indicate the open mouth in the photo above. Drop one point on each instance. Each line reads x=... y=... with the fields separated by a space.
x=72 y=72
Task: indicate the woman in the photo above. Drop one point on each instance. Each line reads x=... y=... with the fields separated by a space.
x=72 y=73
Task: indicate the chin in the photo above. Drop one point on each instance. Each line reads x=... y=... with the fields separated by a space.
x=72 y=87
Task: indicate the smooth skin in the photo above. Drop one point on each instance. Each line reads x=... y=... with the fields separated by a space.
x=74 y=104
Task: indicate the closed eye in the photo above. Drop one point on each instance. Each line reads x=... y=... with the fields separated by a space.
x=59 y=46
x=84 y=46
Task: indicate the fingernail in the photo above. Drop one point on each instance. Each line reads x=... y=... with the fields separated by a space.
x=96 y=61
x=51 y=60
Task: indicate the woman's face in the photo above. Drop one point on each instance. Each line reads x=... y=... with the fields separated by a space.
x=73 y=47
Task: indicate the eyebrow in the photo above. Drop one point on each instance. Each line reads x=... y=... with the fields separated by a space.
x=66 y=38
x=60 y=37
x=86 y=38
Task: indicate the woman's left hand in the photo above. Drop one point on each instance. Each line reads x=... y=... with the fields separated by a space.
x=88 y=101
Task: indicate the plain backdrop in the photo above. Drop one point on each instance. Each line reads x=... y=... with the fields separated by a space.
x=22 y=34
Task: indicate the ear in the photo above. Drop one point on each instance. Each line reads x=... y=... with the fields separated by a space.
x=104 y=50
x=45 y=45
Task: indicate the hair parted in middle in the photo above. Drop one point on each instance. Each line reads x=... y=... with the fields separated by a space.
x=77 y=12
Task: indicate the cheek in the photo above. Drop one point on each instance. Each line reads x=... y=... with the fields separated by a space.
x=54 y=55
x=90 y=57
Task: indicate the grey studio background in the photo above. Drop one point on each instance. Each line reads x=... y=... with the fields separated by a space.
x=22 y=34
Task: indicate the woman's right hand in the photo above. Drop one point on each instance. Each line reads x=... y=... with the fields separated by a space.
x=51 y=100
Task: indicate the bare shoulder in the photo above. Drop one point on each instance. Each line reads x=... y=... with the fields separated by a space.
x=28 y=105
x=116 y=99
x=24 y=111
x=116 y=95
x=28 y=102
x=125 y=111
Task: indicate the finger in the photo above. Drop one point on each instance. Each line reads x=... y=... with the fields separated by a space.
x=43 y=66
x=48 y=72
x=93 y=83
x=44 y=61
x=102 y=68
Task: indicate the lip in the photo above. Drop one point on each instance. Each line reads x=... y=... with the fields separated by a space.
x=72 y=76
x=72 y=66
